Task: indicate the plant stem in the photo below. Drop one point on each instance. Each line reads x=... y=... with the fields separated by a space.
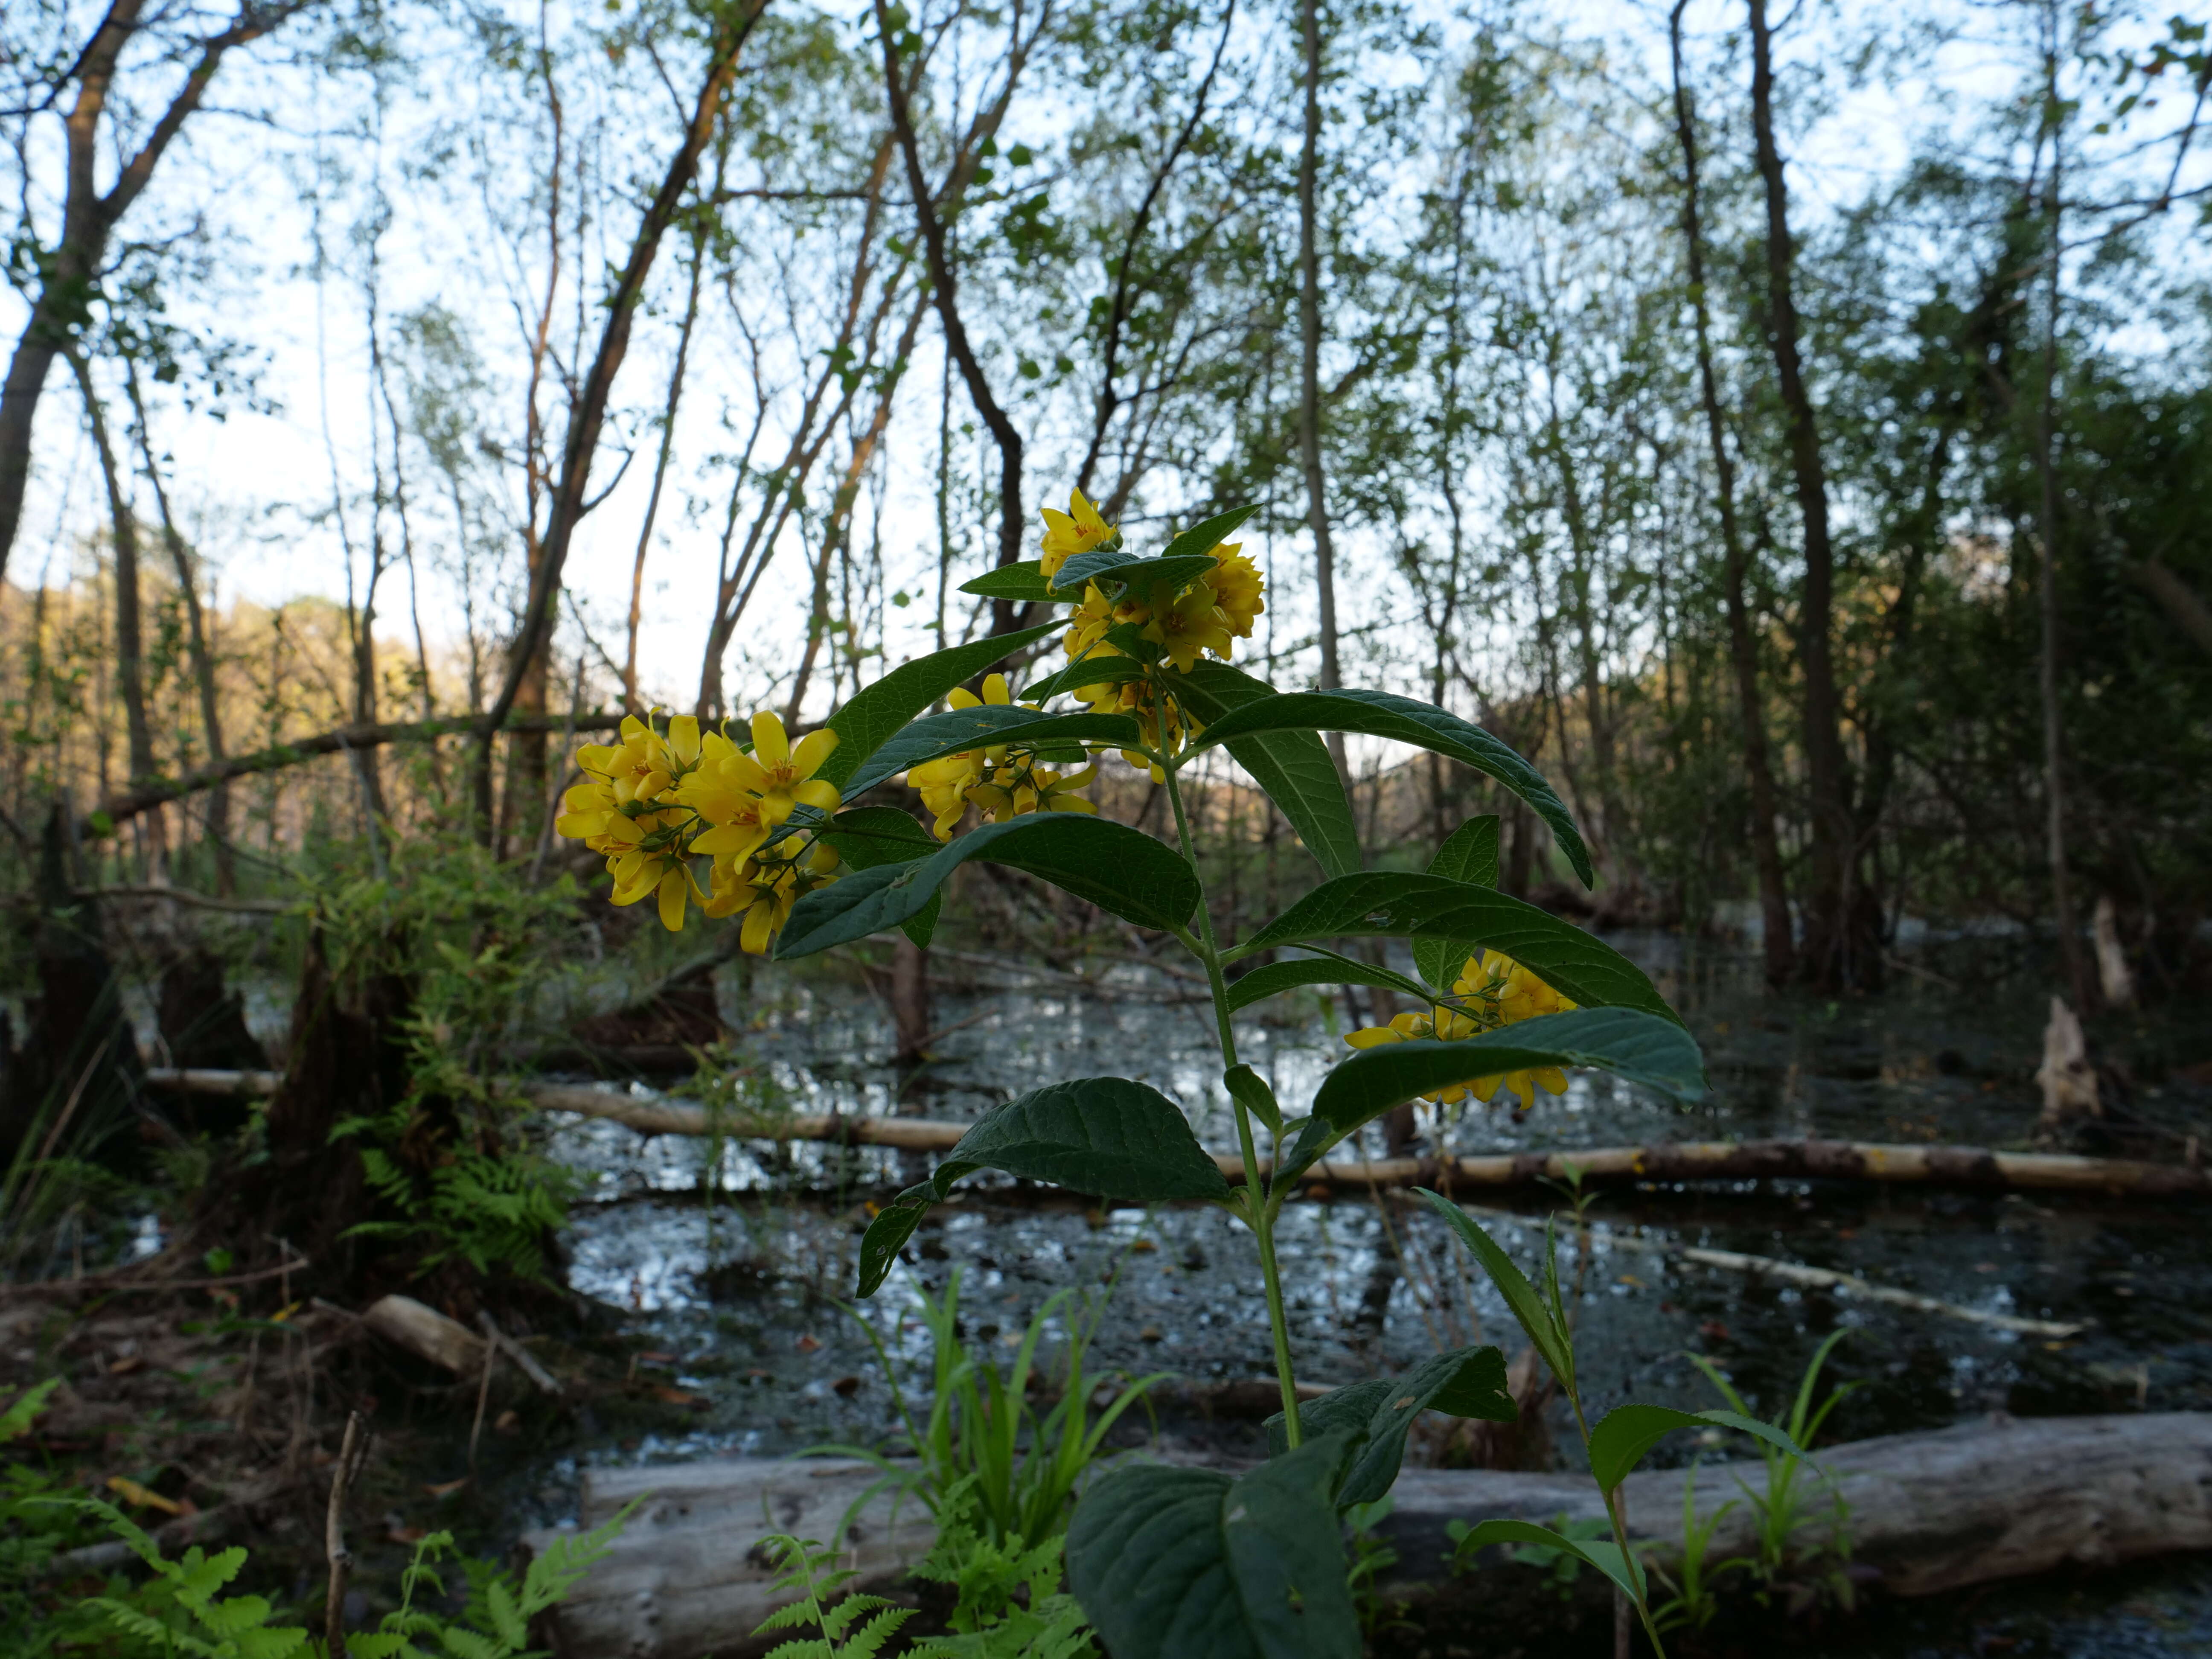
x=1259 y=1214
x=1620 y=1534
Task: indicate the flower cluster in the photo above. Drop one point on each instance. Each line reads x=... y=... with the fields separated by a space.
x=1492 y=991
x=1003 y=780
x=655 y=801
x=1205 y=618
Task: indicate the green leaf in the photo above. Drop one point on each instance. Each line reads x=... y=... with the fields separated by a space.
x=1619 y=1441
x=16 y=1421
x=1206 y=535
x=1024 y=582
x=1640 y=1046
x=1273 y=978
x=1249 y=1090
x=1377 y=1415
x=1469 y=854
x=934 y=736
x=1104 y=1135
x=1380 y=714
x=1119 y=869
x=1188 y=1564
x=1394 y=903
x=1606 y=1557
x=1097 y=669
x=865 y=837
x=1545 y=1335
x=1137 y=576
x=1293 y=766
x=872 y=715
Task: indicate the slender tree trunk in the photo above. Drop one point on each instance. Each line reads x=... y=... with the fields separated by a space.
x=1310 y=360
x=89 y=216
x=196 y=641
x=1743 y=652
x=122 y=530
x=587 y=415
x=1833 y=957
x=945 y=289
x=661 y=463
x=2078 y=982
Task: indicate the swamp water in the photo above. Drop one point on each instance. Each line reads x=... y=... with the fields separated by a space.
x=731 y=1260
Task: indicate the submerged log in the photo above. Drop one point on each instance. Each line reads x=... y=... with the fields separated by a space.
x=1657 y=1163
x=1929 y=1513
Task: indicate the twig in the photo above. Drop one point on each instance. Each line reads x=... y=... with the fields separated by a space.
x=203 y=900
x=112 y=1287
x=353 y=1451
x=483 y=1389
x=524 y=1361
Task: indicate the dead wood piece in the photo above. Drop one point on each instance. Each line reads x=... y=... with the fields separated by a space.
x=2068 y=1081
x=1657 y=1164
x=1997 y=1498
x=426 y=1332
x=689 y=1574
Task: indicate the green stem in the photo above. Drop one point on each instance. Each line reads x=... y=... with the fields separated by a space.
x=1259 y=1214
x=1620 y=1533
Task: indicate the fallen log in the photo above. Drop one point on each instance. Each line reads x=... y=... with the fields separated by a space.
x=1929 y=1513
x=1655 y=1163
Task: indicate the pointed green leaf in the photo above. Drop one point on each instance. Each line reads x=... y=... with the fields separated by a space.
x=1607 y=1557
x=1023 y=581
x=1378 y=1414
x=1251 y=1091
x=1104 y=1135
x=1273 y=978
x=1544 y=1333
x=1293 y=766
x=1137 y=576
x=1380 y=714
x=935 y=736
x=1119 y=869
x=1626 y=1433
x=1188 y=1564
x=1469 y=854
x=1210 y=533
x=1395 y=903
x=1096 y=669
x=1362 y=1086
x=865 y=837
x=872 y=714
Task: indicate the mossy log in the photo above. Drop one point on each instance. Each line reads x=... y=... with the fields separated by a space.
x=1927 y=1513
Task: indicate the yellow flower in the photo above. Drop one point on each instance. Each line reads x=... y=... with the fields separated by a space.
x=765 y=888
x=1015 y=789
x=945 y=783
x=1237 y=588
x=1408 y=1028
x=1185 y=625
x=1079 y=530
x=747 y=798
x=1493 y=991
x=1499 y=991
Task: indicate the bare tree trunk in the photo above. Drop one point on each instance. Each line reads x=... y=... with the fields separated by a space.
x=945 y=289
x=660 y=461
x=89 y=217
x=1833 y=957
x=588 y=414
x=196 y=641
x=1310 y=361
x=129 y=646
x=1743 y=653
x=2079 y=986
x=836 y=533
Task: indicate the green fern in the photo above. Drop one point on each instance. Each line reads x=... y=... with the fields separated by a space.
x=853 y=1626
x=181 y=1611
x=496 y=1624
x=1010 y=1602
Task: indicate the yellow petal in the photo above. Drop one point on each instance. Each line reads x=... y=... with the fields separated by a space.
x=771 y=748
x=675 y=891
x=1373 y=1036
x=813 y=749
x=961 y=698
x=730 y=840
x=816 y=794
x=994 y=690
x=759 y=928
x=684 y=737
